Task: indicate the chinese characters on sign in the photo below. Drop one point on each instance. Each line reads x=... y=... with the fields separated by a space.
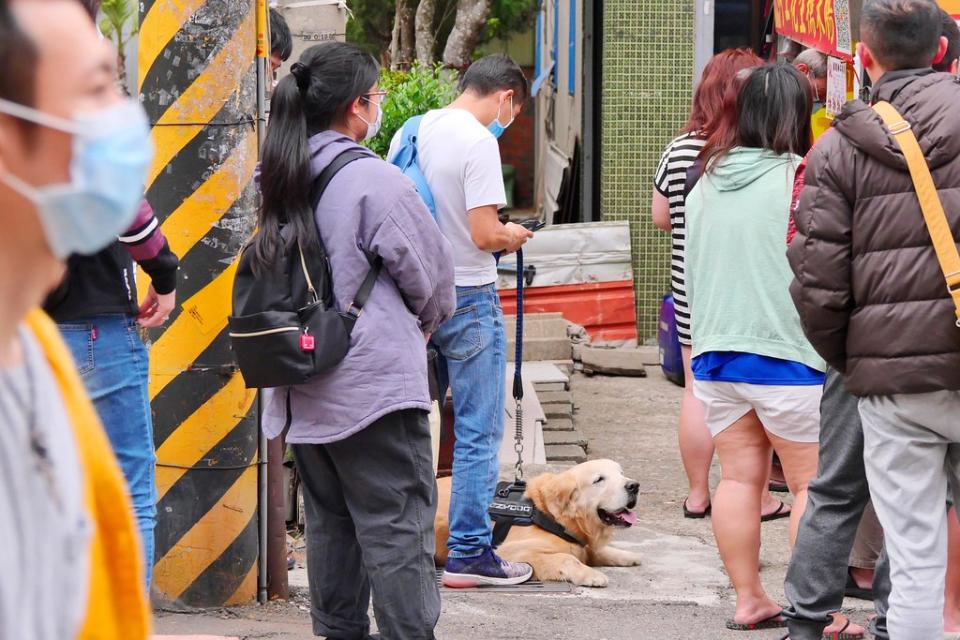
x=836 y=86
x=813 y=22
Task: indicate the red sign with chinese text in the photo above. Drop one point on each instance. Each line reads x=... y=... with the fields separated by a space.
x=814 y=23
x=811 y=23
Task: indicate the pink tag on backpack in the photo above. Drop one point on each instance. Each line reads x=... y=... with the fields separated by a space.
x=307 y=342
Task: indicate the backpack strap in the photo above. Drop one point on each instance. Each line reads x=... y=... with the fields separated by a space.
x=933 y=214
x=355 y=308
x=411 y=131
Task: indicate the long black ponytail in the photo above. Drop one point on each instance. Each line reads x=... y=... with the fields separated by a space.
x=318 y=92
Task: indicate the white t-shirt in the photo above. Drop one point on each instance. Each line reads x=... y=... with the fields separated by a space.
x=460 y=159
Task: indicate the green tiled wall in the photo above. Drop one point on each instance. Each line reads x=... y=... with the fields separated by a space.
x=647 y=67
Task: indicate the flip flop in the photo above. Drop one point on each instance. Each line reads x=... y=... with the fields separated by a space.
x=778 y=487
x=840 y=635
x=773 y=622
x=853 y=590
x=776 y=515
x=696 y=515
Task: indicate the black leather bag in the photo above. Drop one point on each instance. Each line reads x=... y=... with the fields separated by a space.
x=285 y=327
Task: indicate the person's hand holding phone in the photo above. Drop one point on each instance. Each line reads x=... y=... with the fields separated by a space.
x=518 y=236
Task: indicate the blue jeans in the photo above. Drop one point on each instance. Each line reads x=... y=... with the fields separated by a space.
x=112 y=360
x=473 y=344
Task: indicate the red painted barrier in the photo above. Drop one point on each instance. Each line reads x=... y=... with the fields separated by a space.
x=606 y=309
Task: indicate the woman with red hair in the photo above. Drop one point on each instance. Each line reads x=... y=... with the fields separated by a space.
x=705 y=121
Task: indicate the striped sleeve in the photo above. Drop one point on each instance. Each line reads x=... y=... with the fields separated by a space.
x=146 y=244
x=661 y=178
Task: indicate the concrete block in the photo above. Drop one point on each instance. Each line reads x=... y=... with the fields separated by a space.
x=616 y=362
x=539 y=349
x=551 y=386
x=566 y=366
x=558 y=424
x=558 y=411
x=541 y=325
x=566 y=453
x=550 y=397
x=555 y=408
x=542 y=372
x=574 y=437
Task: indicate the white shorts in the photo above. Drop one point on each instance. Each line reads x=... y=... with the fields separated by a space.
x=790 y=412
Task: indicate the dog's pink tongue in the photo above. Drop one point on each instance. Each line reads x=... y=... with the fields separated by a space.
x=629 y=517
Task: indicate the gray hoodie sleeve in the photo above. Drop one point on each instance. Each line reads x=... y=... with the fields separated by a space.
x=419 y=259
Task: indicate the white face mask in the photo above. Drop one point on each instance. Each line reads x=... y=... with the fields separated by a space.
x=373 y=128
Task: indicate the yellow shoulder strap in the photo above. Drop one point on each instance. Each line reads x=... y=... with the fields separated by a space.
x=933 y=213
x=117 y=607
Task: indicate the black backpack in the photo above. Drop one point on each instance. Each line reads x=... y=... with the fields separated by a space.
x=285 y=326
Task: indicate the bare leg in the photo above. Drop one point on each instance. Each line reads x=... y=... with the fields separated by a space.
x=745 y=466
x=799 y=467
x=696 y=445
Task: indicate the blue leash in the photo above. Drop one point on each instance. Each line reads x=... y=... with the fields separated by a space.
x=518 y=373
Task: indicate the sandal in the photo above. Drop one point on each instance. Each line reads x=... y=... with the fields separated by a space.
x=696 y=515
x=776 y=515
x=773 y=622
x=840 y=635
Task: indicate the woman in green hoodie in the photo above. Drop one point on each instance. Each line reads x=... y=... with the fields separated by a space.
x=756 y=374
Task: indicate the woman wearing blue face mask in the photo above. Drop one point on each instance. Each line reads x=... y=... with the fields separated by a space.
x=359 y=432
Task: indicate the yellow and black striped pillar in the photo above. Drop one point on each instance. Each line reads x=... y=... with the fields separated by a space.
x=198 y=84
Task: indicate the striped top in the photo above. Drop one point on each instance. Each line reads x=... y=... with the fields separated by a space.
x=669 y=181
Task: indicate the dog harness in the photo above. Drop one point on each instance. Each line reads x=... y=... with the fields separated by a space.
x=511 y=508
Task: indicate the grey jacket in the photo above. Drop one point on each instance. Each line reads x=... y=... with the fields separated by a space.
x=370 y=206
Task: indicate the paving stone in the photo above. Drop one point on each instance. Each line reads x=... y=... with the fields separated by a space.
x=551 y=438
x=566 y=366
x=546 y=387
x=617 y=362
x=558 y=424
x=566 y=453
x=550 y=397
x=558 y=410
x=544 y=372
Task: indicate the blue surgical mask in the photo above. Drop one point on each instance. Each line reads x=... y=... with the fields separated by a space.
x=111 y=153
x=495 y=127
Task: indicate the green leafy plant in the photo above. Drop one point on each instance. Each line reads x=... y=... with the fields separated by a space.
x=119 y=25
x=411 y=93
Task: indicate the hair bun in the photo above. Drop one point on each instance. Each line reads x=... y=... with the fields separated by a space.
x=302 y=75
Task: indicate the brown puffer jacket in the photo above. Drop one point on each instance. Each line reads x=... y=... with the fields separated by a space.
x=868 y=286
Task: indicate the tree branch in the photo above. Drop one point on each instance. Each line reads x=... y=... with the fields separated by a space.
x=467 y=30
x=426 y=37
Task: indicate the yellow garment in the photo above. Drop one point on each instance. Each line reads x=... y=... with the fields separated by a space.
x=117 y=606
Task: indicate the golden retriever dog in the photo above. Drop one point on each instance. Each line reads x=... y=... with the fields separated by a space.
x=591 y=500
